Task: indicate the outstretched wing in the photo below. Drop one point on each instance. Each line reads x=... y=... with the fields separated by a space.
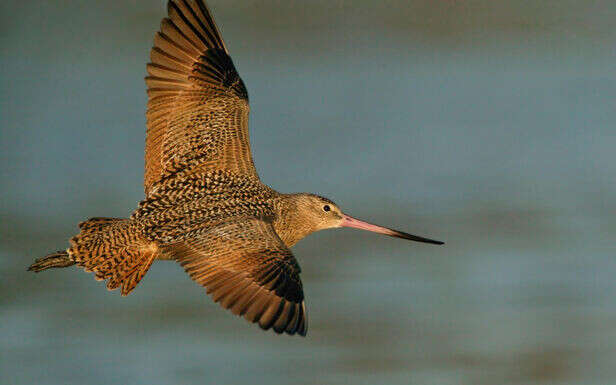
x=247 y=268
x=197 y=115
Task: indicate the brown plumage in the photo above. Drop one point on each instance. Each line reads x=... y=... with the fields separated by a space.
x=204 y=205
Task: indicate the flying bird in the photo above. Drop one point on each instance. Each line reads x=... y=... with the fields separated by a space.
x=205 y=206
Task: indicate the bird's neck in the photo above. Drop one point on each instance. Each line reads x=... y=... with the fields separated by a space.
x=290 y=226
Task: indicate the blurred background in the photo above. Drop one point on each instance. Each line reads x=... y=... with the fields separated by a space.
x=486 y=124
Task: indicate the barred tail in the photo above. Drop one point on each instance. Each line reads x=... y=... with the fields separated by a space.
x=111 y=248
x=57 y=259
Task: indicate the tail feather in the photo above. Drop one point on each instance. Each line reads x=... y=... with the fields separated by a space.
x=112 y=248
x=57 y=259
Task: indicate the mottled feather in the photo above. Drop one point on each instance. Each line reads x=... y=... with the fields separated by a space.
x=114 y=249
x=247 y=268
x=198 y=105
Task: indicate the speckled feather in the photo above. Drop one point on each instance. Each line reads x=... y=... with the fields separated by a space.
x=198 y=105
x=114 y=249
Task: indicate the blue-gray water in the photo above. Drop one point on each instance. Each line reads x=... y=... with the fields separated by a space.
x=487 y=124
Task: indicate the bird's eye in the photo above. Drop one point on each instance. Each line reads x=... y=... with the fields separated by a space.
x=326 y=208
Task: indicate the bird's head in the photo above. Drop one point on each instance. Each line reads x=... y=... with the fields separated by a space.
x=313 y=213
x=320 y=212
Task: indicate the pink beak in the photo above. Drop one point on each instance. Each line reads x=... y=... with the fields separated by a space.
x=349 y=221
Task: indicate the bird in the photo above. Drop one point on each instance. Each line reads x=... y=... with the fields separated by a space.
x=205 y=206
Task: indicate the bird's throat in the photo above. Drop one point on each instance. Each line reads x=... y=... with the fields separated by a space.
x=290 y=225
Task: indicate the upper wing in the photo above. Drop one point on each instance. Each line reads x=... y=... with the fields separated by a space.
x=198 y=105
x=247 y=268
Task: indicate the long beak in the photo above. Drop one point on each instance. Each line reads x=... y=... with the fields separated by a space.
x=349 y=221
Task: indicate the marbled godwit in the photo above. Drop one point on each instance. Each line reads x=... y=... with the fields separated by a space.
x=204 y=205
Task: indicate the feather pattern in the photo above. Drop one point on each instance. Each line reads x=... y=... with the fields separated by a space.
x=115 y=250
x=198 y=105
x=247 y=268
